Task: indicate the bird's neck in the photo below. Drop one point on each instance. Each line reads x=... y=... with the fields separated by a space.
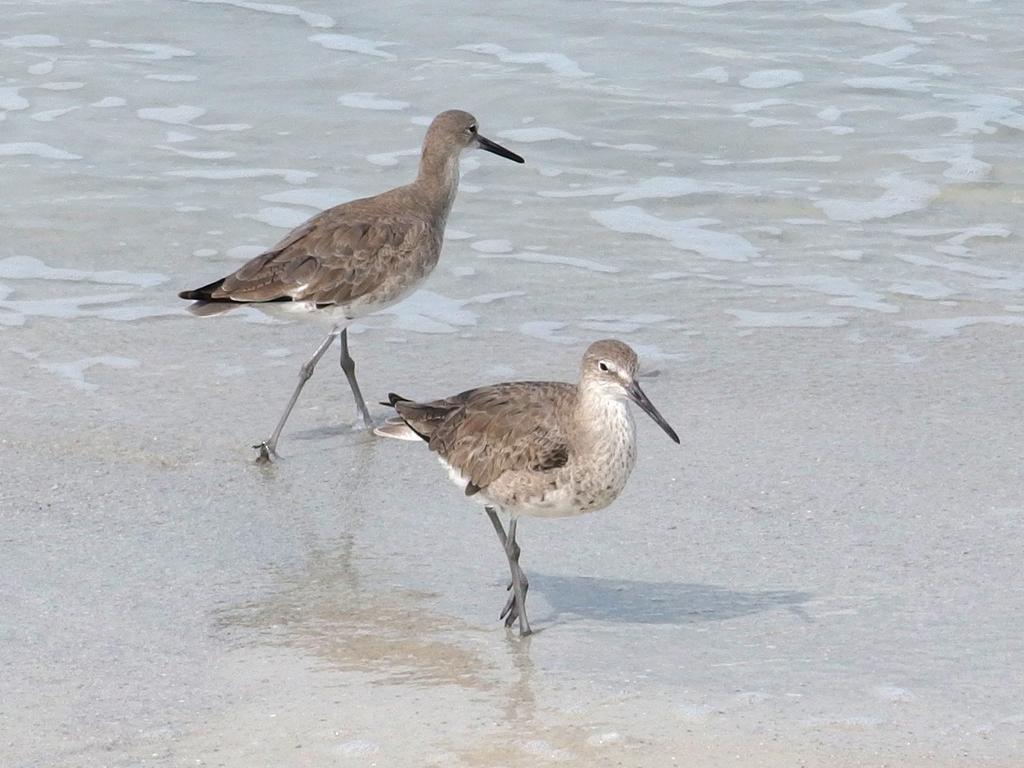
x=438 y=179
x=604 y=426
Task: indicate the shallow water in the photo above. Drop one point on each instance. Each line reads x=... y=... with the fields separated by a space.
x=803 y=215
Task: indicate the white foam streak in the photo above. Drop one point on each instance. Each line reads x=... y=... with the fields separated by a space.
x=556 y=63
x=902 y=195
x=11 y=100
x=772 y=78
x=947 y=327
x=364 y=100
x=29 y=268
x=74 y=372
x=320 y=199
x=801 y=319
x=276 y=216
x=315 y=20
x=888 y=18
x=548 y=258
x=148 y=51
x=687 y=235
x=36 y=149
x=352 y=44
x=530 y=135
x=31 y=41
x=223 y=174
x=429 y=312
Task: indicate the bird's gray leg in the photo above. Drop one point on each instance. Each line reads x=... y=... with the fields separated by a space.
x=519 y=583
x=268 y=448
x=498 y=527
x=515 y=608
x=348 y=365
x=510 y=609
x=516 y=599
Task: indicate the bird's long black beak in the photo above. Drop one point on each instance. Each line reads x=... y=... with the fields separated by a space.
x=637 y=396
x=497 y=149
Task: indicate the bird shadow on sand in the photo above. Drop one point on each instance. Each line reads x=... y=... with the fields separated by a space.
x=657 y=602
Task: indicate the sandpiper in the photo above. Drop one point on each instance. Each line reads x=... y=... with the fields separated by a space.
x=536 y=448
x=355 y=258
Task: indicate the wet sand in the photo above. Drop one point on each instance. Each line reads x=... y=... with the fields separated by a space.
x=819 y=573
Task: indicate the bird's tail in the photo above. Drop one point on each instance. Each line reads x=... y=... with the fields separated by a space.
x=396 y=427
x=202 y=294
x=205 y=304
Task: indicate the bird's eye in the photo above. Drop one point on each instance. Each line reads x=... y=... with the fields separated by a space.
x=471 y=130
x=603 y=365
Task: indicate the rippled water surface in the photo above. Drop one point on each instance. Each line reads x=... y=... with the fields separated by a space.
x=806 y=217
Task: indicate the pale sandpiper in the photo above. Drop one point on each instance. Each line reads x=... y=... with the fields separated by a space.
x=536 y=448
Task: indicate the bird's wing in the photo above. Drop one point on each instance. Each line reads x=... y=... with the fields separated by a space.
x=486 y=432
x=335 y=257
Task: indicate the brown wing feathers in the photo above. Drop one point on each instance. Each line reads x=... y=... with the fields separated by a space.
x=260 y=279
x=336 y=256
x=488 y=431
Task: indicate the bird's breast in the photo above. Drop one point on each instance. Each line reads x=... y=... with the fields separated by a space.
x=605 y=457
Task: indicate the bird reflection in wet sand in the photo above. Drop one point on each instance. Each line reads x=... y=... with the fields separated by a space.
x=536 y=448
x=326 y=610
